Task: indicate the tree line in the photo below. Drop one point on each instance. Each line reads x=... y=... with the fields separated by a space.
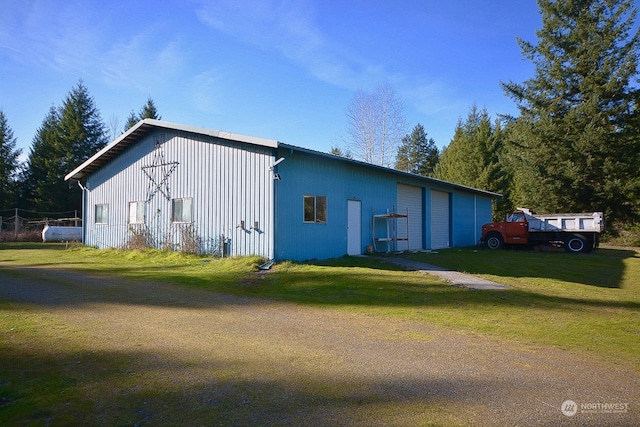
x=69 y=135
x=574 y=146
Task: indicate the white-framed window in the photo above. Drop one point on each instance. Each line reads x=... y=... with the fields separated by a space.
x=315 y=209
x=181 y=210
x=137 y=212
x=101 y=213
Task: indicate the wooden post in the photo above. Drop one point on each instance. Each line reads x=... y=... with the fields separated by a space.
x=16 y=223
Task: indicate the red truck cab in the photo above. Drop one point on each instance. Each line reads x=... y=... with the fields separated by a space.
x=513 y=231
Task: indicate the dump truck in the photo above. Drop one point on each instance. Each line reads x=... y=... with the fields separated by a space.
x=576 y=232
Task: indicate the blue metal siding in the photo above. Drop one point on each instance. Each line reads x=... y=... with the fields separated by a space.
x=303 y=174
x=307 y=174
x=228 y=182
x=469 y=212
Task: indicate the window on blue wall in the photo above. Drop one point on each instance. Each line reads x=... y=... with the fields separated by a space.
x=101 y=214
x=136 y=212
x=315 y=209
x=181 y=210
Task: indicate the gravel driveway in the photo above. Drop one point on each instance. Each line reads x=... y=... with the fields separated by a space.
x=271 y=363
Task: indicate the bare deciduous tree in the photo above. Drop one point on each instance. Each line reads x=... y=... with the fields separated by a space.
x=375 y=125
x=114 y=127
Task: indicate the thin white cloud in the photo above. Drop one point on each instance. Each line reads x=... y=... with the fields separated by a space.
x=141 y=62
x=59 y=36
x=289 y=28
x=207 y=91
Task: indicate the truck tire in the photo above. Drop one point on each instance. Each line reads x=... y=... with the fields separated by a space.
x=576 y=243
x=494 y=241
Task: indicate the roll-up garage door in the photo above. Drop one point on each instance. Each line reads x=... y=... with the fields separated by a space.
x=440 y=226
x=410 y=199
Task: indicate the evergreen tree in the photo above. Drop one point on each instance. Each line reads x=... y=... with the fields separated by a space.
x=576 y=140
x=69 y=135
x=44 y=169
x=337 y=151
x=9 y=165
x=131 y=121
x=148 y=111
x=417 y=153
x=475 y=158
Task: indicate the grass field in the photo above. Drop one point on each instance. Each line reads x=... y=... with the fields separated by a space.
x=588 y=304
x=581 y=302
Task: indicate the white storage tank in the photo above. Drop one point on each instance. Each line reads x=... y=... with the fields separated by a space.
x=61 y=234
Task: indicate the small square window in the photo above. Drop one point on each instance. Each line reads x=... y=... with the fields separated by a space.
x=315 y=209
x=137 y=212
x=181 y=210
x=101 y=214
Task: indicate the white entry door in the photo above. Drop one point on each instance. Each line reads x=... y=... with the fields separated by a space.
x=354 y=229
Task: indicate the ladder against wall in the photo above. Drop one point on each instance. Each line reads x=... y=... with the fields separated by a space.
x=385 y=230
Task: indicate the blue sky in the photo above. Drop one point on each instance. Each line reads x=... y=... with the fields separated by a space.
x=278 y=69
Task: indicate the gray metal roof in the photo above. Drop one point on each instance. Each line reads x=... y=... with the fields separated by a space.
x=142 y=128
x=145 y=126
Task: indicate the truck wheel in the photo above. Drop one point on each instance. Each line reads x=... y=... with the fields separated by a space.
x=576 y=243
x=494 y=241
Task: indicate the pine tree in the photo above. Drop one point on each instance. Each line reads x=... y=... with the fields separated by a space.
x=131 y=121
x=337 y=151
x=475 y=157
x=9 y=164
x=417 y=153
x=69 y=135
x=576 y=139
x=42 y=177
x=148 y=111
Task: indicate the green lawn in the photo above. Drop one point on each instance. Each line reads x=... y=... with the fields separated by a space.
x=579 y=302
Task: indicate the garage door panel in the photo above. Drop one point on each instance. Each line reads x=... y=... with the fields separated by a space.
x=440 y=220
x=410 y=200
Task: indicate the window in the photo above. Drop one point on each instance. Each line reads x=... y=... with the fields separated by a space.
x=136 y=212
x=181 y=210
x=315 y=209
x=101 y=215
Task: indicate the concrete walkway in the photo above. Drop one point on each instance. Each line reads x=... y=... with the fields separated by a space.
x=454 y=277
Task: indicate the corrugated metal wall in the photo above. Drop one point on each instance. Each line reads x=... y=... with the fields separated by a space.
x=228 y=182
x=304 y=174
x=307 y=174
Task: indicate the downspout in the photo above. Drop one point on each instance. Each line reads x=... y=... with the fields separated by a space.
x=276 y=178
x=84 y=213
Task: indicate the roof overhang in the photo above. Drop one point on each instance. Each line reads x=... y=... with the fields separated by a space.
x=145 y=126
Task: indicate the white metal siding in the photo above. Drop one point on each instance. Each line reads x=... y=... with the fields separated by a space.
x=440 y=223
x=410 y=200
x=228 y=181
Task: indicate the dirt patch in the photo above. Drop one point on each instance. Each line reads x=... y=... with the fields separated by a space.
x=186 y=355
